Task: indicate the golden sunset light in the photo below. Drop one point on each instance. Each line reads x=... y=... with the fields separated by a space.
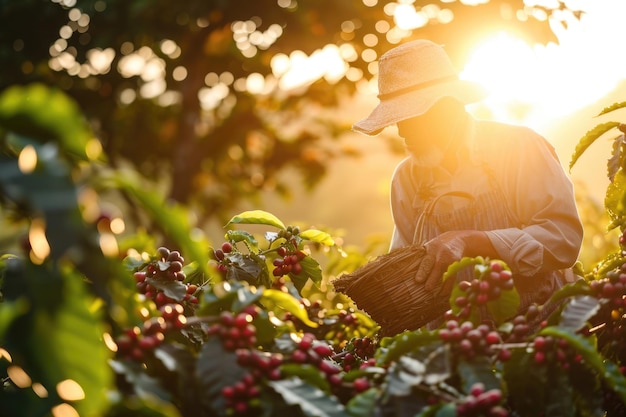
x=344 y=208
x=552 y=80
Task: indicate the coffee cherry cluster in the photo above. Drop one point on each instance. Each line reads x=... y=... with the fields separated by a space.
x=289 y=232
x=158 y=296
x=612 y=288
x=308 y=350
x=220 y=256
x=243 y=396
x=480 y=291
x=609 y=322
x=139 y=342
x=237 y=331
x=287 y=262
x=364 y=347
x=350 y=361
x=357 y=353
x=481 y=402
x=133 y=344
x=524 y=325
x=548 y=349
x=469 y=341
x=262 y=364
x=174 y=316
x=167 y=266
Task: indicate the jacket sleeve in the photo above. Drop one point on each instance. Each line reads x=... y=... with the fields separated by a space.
x=541 y=195
x=401 y=207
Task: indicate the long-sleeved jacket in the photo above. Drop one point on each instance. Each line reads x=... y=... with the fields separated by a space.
x=509 y=183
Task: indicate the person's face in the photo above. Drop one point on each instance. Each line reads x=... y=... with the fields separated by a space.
x=434 y=126
x=428 y=137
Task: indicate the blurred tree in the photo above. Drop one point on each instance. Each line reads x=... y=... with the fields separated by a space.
x=213 y=98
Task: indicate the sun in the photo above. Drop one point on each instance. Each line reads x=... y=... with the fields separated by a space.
x=533 y=84
x=505 y=65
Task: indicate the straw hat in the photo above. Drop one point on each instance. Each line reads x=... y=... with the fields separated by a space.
x=411 y=78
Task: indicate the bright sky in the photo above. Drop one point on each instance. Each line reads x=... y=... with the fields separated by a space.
x=553 y=80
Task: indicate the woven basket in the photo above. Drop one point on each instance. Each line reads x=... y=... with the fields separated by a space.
x=386 y=289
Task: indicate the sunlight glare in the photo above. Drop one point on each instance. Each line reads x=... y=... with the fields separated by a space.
x=64 y=410
x=407 y=18
x=40 y=248
x=40 y=390
x=504 y=65
x=555 y=79
x=70 y=390
x=27 y=160
x=19 y=377
x=300 y=69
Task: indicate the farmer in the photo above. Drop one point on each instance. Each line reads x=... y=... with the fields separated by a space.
x=470 y=187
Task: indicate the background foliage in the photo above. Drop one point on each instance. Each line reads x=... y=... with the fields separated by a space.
x=166 y=86
x=89 y=323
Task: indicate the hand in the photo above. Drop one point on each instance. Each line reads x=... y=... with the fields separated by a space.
x=442 y=251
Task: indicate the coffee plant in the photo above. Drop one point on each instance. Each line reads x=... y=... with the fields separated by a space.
x=250 y=326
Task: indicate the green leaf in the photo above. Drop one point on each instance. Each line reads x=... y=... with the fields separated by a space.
x=578 y=311
x=241 y=236
x=586 y=386
x=70 y=336
x=527 y=383
x=446 y=410
x=606 y=369
x=47 y=191
x=244 y=268
x=287 y=302
x=145 y=386
x=404 y=375
x=310 y=270
x=307 y=373
x=614 y=199
x=616 y=161
x=363 y=404
x=256 y=217
x=476 y=370
x=401 y=344
x=9 y=311
x=46 y=113
x=317 y=236
x=612 y=107
x=589 y=138
x=216 y=369
x=173 y=289
x=457 y=266
x=574 y=289
x=246 y=296
x=311 y=400
x=221 y=296
x=611 y=261
x=505 y=306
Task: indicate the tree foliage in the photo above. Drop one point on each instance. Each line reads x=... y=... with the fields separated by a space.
x=192 y=93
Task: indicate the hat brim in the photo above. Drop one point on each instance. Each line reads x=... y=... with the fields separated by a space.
x=416 y=103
